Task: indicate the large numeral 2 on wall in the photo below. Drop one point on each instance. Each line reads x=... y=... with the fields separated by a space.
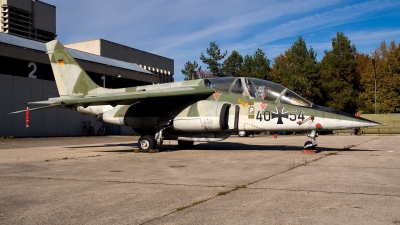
x=32 y=73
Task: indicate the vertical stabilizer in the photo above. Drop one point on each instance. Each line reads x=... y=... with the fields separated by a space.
x=71 y=79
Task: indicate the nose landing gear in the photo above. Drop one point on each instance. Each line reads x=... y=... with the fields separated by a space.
x=311 y=144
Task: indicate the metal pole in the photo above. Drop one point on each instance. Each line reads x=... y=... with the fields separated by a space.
x=373 y=63
x=104 y=80
x=375 y=95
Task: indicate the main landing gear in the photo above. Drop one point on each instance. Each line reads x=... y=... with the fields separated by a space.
x=311 y=144
x=147 y=142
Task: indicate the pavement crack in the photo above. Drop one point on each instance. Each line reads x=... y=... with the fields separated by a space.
x=198 y=202
x=179 y=209
x=355 y=145
x=327 y=192
x=292 y=167
x=111 y=181
x=360 y=167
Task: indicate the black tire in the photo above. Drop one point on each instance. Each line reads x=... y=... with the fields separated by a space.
x=185 y=144
x=308 y=143
x=146 y=142
x=242 y=133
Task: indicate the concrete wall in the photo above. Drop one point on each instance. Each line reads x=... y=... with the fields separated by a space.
x=148 y=61
x=14 y=91
x=21 y=4
x=128 y=54
x=28 y=18
x=17 y=90
x=44 y=16
x=92 y=46
x=161 y=66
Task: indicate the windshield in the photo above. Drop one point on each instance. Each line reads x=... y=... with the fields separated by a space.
x=267 y=90
x=257 y=88
x=289 y=97
x=222 y=83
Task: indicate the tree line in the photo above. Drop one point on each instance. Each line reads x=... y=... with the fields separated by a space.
x=344 y=79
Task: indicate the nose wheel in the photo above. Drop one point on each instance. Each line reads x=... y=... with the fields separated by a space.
x=311 y=144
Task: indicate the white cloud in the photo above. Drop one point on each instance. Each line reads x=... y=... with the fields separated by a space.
x=181 y=30
x=319 y=21
x=237 y=23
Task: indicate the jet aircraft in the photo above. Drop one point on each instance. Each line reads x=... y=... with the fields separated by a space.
x=202 y=110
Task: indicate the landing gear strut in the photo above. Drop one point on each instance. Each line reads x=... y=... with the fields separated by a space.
x=311 y=144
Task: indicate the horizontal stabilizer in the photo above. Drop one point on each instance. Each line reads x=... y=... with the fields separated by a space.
x=42 y=107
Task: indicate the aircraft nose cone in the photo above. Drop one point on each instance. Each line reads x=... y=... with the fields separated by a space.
x=361 y=122
x=345 y=120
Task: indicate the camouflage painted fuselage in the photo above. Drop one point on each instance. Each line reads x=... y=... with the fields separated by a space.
x=196 y=110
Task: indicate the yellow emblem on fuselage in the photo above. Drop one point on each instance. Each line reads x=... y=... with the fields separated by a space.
x=242 y=102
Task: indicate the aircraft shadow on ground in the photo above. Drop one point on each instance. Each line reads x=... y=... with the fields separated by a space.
x=233 y=146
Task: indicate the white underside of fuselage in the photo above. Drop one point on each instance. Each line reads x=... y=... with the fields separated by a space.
x=318 y=123
x=252 y=124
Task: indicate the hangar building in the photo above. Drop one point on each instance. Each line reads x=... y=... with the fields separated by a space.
x=26 y=74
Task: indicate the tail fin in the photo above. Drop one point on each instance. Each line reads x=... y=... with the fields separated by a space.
x=70 y=78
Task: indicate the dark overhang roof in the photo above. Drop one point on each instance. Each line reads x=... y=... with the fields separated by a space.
x=39 y=46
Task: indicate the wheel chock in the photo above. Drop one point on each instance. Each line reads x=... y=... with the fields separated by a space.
x=310 y=151
x=136 y=150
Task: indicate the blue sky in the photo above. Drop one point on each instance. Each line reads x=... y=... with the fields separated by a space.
x=182 y=29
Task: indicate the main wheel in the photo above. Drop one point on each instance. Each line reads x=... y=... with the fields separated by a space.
x=242 y=133
x=185 y=144
x=146 y=142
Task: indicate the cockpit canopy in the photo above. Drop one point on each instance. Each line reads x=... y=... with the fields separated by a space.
x=257 y=89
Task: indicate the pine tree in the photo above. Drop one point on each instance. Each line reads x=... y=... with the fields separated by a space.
x=339 y=76
x=256 y=66
x=260 y=65
x=190 y=70
x=247 y=66
x=282 y=69
x=232 y=65
x=297 y=69
x=212 y=61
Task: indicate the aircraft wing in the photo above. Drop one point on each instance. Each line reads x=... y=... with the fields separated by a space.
x=125 y=98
